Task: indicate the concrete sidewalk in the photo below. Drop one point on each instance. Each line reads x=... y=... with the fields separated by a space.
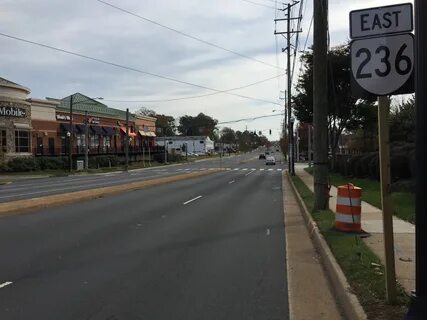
x=309 y=293
x=404 y=234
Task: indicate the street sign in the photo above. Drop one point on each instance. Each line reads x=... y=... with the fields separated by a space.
x=383 y=65
x=381 y=21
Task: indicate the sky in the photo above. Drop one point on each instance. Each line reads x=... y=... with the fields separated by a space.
x=94 y=29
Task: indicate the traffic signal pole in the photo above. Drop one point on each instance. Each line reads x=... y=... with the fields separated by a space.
x=418 y=306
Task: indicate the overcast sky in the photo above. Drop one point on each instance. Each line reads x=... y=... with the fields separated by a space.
x=91 y=28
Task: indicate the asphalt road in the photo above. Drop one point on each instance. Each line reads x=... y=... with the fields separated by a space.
x=56 y=185
x=206 y=248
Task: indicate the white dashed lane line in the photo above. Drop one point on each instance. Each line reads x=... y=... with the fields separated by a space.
x=191 y=200
x=4 y=284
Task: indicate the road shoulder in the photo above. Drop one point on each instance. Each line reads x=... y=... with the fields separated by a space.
x=309 y=294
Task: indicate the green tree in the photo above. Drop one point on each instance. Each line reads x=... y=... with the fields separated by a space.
x=402 y=121
x=346 y=112
x=200 y=125
x=166 y=124
x=228 y=135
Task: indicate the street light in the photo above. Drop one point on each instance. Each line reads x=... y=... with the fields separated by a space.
x=71 y=132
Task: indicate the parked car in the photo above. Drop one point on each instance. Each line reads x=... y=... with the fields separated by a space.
x=261 y=156
x=270 y=161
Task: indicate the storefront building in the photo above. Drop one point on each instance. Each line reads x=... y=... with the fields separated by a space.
x=15 y=120
x=42 y=127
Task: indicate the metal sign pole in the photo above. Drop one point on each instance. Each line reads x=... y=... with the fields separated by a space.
x=384 y=146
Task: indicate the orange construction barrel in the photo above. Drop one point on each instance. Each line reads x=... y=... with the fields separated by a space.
x=348 y=213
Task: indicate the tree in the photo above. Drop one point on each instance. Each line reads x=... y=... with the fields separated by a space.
x=200 y=125
x=402 y=121
x=144 y=111
x=228 y=135
x=167 y=124
x=248 y=141
x=345 y=112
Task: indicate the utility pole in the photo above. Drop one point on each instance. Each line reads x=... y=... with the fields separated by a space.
x=309 y=145
x=289 y=33
x=70 y=147
x=127 y=140
x=86 y=143
x=418 y=306
x=320 y=104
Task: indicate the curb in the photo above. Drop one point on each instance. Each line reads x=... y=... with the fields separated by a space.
x=27 y=205
x=346 y=299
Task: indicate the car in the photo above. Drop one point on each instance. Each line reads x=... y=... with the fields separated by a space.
x=270 y=160
x=261 y=156
x=267 y=153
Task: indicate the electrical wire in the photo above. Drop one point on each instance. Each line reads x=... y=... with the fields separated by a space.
x=131 y=68
x=251 y=119
x=185 y=34
x=198 y=96
x=259 y=4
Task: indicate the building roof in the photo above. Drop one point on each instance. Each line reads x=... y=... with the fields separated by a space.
x=7 y=83
x=82 y=103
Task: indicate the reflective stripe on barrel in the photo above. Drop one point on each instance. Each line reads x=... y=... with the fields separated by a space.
x=348 y=210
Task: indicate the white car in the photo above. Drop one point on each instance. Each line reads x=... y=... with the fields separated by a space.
x=270 y=160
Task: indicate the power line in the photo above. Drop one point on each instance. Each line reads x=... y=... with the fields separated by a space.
x=197 y=96
x=251 y=119
x=260 y=4
x=130 y=68
x=185 y=34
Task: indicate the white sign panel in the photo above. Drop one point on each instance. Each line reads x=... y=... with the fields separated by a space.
x=382 y=65
x=381 y=21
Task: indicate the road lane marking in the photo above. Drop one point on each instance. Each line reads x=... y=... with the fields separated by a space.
x=270 y=169
x=191 y=200
x=249 y=173
x=232 y=181
x=245 y=169
x=268 y=232
x=5 y=284
x=236 y=169
x=262 y=169
x=179 y=169
x=253 y=169
x=186 y=169
x=279 y=169
x=210 y=169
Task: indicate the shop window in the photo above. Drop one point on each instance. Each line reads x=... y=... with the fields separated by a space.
x=3 y=140
x=107 y=141
x=94 y=141
x=22 y=141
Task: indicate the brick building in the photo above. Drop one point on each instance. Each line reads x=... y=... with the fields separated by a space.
x=42 y=127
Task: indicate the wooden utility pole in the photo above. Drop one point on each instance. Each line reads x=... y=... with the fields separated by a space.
x=320 y=104
x=418 y=307
x=384 y=143
x=288 y=112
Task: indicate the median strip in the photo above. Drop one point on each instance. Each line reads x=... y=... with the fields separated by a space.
x=22 y=206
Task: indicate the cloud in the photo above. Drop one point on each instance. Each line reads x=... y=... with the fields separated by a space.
x=91 y=28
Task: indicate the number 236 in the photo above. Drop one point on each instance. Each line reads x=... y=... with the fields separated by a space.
x=385 y=60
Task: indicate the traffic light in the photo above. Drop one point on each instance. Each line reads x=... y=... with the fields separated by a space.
x=270 y=132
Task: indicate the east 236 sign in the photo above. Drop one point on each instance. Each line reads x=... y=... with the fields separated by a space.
x=384 y=64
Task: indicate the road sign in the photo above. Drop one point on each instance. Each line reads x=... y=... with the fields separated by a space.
x=381 y=21
x=383 y=65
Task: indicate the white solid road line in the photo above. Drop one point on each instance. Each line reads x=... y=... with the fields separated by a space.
x=232 y=181
x=191 y=200
x=5 y=284
x=249 y=173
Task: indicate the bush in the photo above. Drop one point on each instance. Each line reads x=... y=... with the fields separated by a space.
x=23 y=164
x=52 y=163
x=103 y=161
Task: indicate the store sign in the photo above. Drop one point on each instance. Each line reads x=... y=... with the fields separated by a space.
x=94 y=120
x=13 y=112
x=62 y=117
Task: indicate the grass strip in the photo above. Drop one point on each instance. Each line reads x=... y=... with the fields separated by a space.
x=363 y=269
x=403 y=202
